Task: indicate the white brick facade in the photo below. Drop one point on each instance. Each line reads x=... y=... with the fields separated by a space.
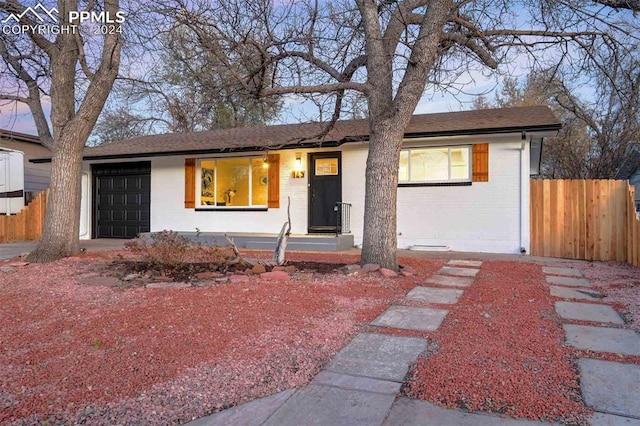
x=488 y=216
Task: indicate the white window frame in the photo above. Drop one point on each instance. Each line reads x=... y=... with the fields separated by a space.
x=449 y=179
x=199 y=204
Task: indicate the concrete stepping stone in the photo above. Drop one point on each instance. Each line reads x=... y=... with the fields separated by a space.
x=588 y=312
x=460 y=272
x=414 y=412
x=378 y=356
x=603 y=339
x=611 y=387
x=572 y=293
x=450 y=281
x=468 y=263
x=569 y=281
x=434 y=295
x=252 y=413
x=346 y=381
x=569 y=272
x=411 y=318
x=329 y=405
x=603 y=419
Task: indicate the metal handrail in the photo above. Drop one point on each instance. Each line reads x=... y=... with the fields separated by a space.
x=343 y=218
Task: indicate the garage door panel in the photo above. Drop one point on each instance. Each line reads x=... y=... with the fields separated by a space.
x=133 y=215
x=123 y=201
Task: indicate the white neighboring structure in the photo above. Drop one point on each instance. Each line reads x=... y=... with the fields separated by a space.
x=463 y=182
x=11 y=181
x=35 y=177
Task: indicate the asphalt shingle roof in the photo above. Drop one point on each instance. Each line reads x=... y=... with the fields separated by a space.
x=299 y=135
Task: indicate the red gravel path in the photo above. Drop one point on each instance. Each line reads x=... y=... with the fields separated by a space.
x=500 y=350
x=76 y=353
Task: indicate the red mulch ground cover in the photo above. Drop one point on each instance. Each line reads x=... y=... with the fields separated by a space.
x=501 y=350
x=75 y=353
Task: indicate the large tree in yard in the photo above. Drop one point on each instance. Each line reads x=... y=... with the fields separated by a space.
x=392 y=51
x=72 y=72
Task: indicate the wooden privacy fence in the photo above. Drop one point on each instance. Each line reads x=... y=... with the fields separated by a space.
x=27 y=224
x=585 y=219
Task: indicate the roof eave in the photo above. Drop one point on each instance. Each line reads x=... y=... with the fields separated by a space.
x=329 y=144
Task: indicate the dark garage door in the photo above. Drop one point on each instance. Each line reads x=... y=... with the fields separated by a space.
x=122 y=199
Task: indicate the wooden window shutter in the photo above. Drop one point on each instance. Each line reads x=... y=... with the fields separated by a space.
x=274 y=181
x=480 y=162
x=189 y=183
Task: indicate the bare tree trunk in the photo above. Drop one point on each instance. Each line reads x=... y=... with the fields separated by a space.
x=381 y=192
x=62 y=218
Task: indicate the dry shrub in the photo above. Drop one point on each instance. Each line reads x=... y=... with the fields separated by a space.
x=168 y=250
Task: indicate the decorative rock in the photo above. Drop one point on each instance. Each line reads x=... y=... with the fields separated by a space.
x=18 y=264
x=388 y=273
x=131 y=277
x=162 y=278
x=258 y=269
x=168 y=285
x=289 y=269
x=350 y=269
x=370 y=267
x=222 y=280
x=7 y=269
x=208 y=275
x=408 y=270
x=275 y=276
x=238 y=279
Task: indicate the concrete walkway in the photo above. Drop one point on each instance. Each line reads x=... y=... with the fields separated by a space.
x=361 y=384
x=11 y=250
x=612 y=389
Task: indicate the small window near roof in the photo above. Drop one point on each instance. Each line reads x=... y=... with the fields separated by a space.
x=434 y=165
x=326 y=166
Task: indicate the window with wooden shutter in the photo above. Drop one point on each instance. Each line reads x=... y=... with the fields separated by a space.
x=480 y=155
x=274 y=181
x=189 y=183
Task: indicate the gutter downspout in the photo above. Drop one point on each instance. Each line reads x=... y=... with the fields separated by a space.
x=523 y=182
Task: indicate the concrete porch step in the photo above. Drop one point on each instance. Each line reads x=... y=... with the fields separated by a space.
x=299 y=242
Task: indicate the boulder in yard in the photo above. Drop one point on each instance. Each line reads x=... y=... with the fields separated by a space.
x=388 y=273
x=275 y=276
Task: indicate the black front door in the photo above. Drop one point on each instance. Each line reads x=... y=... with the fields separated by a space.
x=325 y=190
x=122 y=199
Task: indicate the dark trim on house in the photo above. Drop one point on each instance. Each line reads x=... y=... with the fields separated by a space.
x=19 y=193
x=470 y=132
x=237 y=209
x=197 y=152
x=323 y=144
x=419 y=184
